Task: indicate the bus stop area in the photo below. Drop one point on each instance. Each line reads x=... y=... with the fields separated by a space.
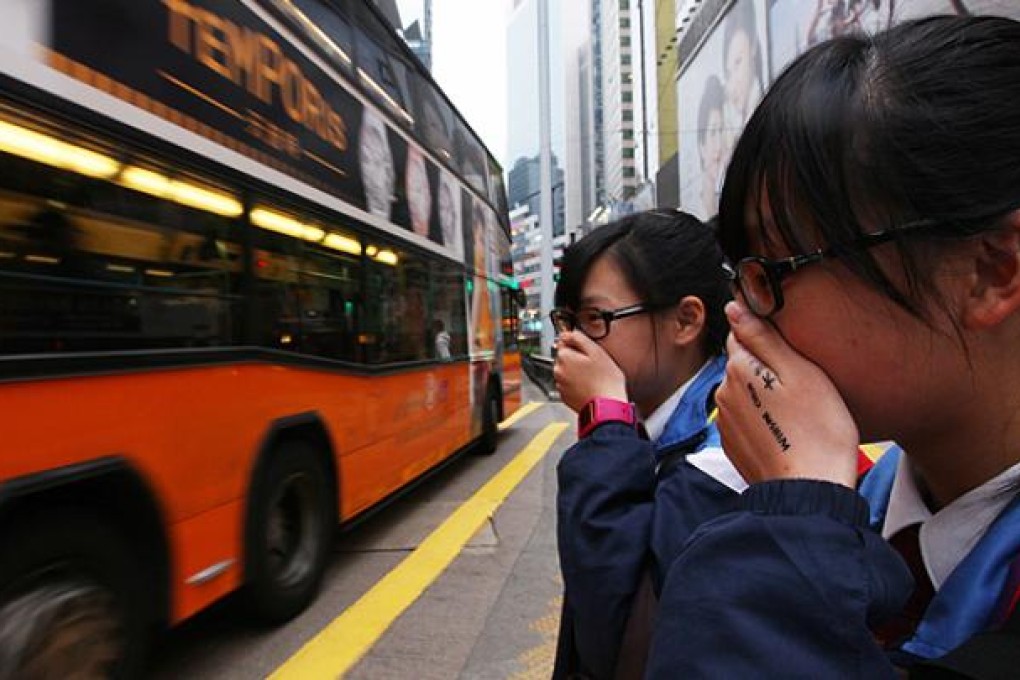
x=491 y=612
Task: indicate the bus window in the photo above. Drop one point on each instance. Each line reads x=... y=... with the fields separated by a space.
x=497 y=192
x=332 y=25
x=393 y=319
x=472 y=159
x=433 y=119
x=448 y=305
x=383 y=75
x=511 y=318
x=274 y=309
x=94 y=267
x=329 y=284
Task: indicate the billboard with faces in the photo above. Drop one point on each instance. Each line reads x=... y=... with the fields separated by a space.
x=722 y=82
x=796 y=25
x=718 y=89
x=402 y=185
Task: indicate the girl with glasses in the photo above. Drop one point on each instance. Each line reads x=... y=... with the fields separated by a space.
x=871 y=219
x=641 y=332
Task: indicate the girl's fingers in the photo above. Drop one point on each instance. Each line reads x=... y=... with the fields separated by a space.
x=758 y=338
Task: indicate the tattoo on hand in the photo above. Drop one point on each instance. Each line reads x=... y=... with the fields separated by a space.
x=767 y=377
x=755 y=399
x=773 y=426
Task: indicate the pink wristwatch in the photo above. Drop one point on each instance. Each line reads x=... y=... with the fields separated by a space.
x=600 y=410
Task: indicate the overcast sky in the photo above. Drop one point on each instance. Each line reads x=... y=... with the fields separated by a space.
x=469 y=61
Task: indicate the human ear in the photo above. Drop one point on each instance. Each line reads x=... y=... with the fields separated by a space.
x=688 y=320
x=995 y=291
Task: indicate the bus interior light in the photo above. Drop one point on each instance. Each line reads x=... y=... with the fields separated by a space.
x=274 y=221
x=146 y=181
x=178 y=191
x=311 y=233
x=288 y=226
x=42 y=259
x=41 y=148
x=344 y=244
x=387 y=257
x=204 y=199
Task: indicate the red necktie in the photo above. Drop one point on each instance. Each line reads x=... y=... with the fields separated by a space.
x=901 y=626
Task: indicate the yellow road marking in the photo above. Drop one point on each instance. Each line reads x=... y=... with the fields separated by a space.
x=343 y=642
x=521 y=412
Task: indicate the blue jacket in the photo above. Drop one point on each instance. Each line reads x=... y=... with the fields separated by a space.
x=626 y=506
x=971 y=598
x=788 y=585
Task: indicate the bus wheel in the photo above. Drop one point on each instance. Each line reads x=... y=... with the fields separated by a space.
x=289 y=534
x=490 y=423
x=72 y=603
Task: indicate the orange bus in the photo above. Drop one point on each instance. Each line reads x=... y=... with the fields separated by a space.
x=254 y=281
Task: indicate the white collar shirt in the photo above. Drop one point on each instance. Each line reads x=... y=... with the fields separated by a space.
x=655 y=424
x=947 y=536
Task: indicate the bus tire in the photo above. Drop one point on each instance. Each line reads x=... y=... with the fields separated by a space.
x=289 y=534
x=73 y=602
x=490 y=423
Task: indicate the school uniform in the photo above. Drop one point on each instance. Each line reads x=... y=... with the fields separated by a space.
x=626 y=505
x=801 y=581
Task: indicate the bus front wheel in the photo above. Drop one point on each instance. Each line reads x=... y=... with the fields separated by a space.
x=72 y=602
x=288 y=534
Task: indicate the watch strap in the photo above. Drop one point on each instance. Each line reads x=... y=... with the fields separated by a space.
x=603 y=410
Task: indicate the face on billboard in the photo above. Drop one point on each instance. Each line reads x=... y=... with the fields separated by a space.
x=377 y=171
x=479 y=233
x=711 y=142
x=739 y=71
x=419 y=193
x=449 y=213
x=717 y=92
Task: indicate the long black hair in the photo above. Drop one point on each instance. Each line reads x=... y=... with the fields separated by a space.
x=863 y=134
x=664 y=256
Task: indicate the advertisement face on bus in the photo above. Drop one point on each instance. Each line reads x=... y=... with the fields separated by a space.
x=450 y=214
x=377 y=167
x=419 y=191
x=482 y=326
x=482 y=301
x=718 y=90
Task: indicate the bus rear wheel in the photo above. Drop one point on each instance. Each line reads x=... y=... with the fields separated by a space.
x=490 y=423
x=72 y=603
x=288 y=535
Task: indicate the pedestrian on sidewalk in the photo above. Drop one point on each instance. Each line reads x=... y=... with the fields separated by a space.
x=872 y=215
x=641 y=332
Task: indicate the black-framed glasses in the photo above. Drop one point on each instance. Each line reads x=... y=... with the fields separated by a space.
x=592 y=321
x=760 y=280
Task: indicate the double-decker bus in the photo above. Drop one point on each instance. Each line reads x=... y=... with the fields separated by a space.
x=254 y=280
